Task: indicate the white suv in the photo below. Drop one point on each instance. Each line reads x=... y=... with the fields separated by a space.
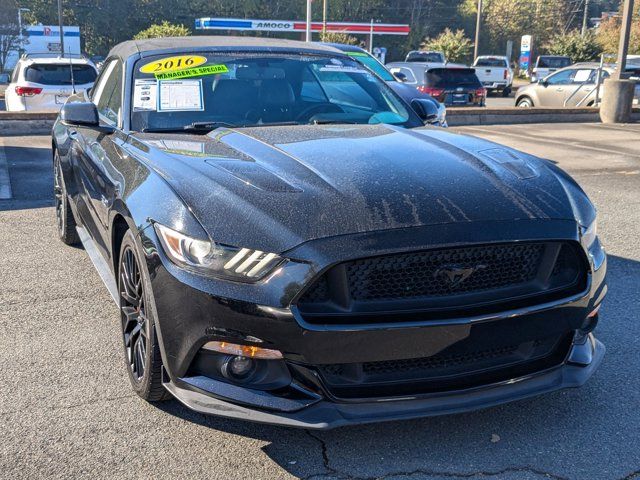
x=43 y=83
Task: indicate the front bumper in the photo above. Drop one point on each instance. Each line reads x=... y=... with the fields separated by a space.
x=192 y=311
x=201 y=395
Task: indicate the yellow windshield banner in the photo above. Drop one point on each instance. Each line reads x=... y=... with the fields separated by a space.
x=193 y=72
x=172 y=64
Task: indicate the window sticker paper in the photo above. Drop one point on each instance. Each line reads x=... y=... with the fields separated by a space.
x=172 y=64
x=194 y=72
x=145 y=95
x=180 y=96
x=342 y=69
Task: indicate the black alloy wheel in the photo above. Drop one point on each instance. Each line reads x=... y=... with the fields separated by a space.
x=135 y=327
x=142 y=352
x=65 y=221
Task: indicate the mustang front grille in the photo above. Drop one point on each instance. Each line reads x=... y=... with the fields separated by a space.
x=469 y=280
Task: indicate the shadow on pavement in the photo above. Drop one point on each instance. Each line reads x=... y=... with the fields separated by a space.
x=560 y=435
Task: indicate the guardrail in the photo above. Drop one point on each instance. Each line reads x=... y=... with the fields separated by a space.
x=35 y=123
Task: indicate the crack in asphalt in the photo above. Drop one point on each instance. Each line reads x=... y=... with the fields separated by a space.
x=334 y=473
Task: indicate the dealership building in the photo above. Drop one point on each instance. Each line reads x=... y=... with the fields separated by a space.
x=41 y=39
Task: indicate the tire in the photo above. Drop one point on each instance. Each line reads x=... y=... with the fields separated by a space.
x=506 y=92
x=65 y=222
x=524 y=102
x=141 y=350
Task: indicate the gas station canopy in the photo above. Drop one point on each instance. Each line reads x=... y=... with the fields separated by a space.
x=299 y=26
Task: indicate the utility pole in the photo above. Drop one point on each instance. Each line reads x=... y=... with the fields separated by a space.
x=60 y=23
x=308 y=31
x=371 y=38
x=476 y=47
x=625 y=34
x=324 y=18
x=20 y=10
x=617 y=99
x=585 y=18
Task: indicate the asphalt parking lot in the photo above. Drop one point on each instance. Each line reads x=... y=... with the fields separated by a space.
x=66 y=409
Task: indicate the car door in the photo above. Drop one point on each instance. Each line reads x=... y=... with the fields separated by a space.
x=583 y=84
x=553 y=90
x=97 y=174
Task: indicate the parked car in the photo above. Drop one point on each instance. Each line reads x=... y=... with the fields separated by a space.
x=283 y=253
x=407 y=92
x=43 y=83
x=4 y=82
x=570 y=87
x=495 y=73
x=457 y=87
x=423 y=56
x=547 y=64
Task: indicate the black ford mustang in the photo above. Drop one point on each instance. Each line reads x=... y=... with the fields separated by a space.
x=288 y=244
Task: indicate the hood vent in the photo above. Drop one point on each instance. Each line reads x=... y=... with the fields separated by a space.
x=254 y=175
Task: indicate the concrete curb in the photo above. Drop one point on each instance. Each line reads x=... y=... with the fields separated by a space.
x=26 y=123
x=514 y=115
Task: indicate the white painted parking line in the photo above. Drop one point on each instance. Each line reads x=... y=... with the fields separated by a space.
x=5 y=180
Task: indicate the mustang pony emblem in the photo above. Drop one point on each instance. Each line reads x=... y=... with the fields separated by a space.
x=454 y=275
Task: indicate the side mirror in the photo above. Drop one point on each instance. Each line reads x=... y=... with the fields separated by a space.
x=427 y=110
x=544 y=83
x=401 y=77
x=82 y=114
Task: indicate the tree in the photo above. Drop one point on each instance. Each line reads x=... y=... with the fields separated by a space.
x=609 y=35
x=505 y=20
x=164 y=29
x=580 y=48
x=10 y=40
x=339 y=37
x=455 y=45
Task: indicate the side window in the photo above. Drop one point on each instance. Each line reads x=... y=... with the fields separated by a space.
x=564 y=77
x=582 y=75
x=108 y=93
x=98 y=87
x=594 y=76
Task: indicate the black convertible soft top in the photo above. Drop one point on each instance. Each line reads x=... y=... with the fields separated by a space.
x=168 y=44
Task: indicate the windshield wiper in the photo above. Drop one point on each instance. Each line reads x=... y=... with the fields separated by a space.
x=199 y=127
x=327 y=121
x=206 y=127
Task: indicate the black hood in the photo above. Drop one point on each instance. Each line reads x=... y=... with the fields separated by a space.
x=273 y=188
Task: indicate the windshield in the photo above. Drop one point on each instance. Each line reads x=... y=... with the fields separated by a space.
x=429 y=57
x=553 y=62
x=59 y=74
x=491 y=62
x=372 y=64
x=451 y=77
x=171 y=93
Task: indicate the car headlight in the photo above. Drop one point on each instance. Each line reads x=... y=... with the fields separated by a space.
x=213 y=259
x=589 y=234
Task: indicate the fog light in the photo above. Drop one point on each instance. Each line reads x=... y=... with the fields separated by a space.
x=240 y=366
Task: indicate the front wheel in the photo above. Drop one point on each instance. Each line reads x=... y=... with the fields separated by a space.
x=525 y=103
x=64 y=216
x=142 y=352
